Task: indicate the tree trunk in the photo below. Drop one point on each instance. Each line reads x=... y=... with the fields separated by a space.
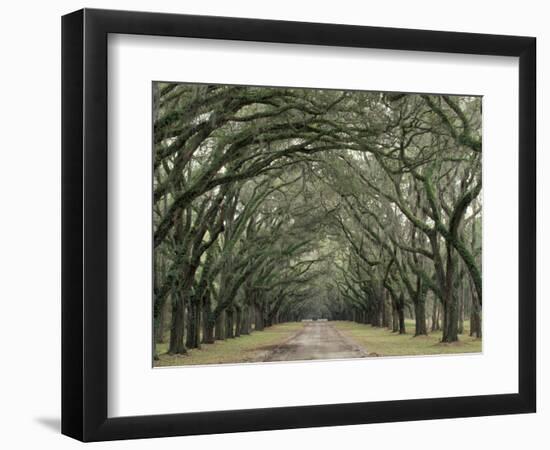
x=479 y=322
x=208 y=333
x=450 y=320
x=434 y=314
x=395 y=319
x=159 y=305
x=207 y=321
x=259 y=318
x=475 y=321
x=436 y=324
x=245 y=321
x=193 y=325
x=461 y=309
x=376 y=308
x=450 y=304
x=238 y=319
x=229 y=334
x=401 y=314
x=251 y=315
x=190 y=335
x=219 y=333
x=177 y=329
x=160 y=325
x=386 y=311
x=198 y=325
x=420 y=328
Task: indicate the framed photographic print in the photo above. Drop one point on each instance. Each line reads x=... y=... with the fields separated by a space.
x=273 y=224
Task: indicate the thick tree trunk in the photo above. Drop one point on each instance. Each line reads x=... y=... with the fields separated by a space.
x=245 y=321
x=229 y=333
x=479 y=322
x=450 y=312
x=193 y=325
x=198 y=326
x=387 y=315
x=207 y=321
x=450 y=320
x=190 y=331
x=160 y=325
x=395 y=319
x=238 y=319
x=177 y=329
x=259 y=318
x=376 y=309
x=402 y=329
x=159 y=306
x=475 y=322
x=219 y=333
x=401 y=314
x=420 y=328
x=475 y=313
x=208 y=332
x=450 y=303
x=251 y=315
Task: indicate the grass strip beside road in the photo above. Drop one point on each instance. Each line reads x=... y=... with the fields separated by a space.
x=382 y=342
x=247 y=348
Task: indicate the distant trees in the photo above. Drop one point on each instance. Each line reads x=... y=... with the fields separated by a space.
x=276 y=204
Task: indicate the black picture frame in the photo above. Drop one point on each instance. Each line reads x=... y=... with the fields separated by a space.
x=84 y=224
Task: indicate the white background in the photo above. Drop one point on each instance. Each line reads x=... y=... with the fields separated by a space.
x=30 y=331
x=136 y=389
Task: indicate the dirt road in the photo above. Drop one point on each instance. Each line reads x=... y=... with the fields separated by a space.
x=317 y=340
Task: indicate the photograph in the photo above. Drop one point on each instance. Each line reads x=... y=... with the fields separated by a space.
x=299 y=224
x=270 y=225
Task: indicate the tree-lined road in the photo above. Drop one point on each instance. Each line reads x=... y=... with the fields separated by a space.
x=273 y=205
x=317 y=340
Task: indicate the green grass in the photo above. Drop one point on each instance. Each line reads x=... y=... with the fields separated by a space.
x=382 y=342
x=250 y=348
